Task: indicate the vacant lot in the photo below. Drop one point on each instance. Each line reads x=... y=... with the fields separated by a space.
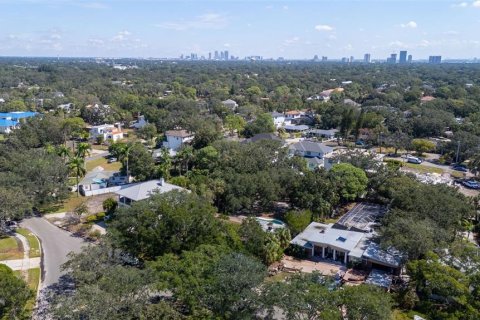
x=102 y=162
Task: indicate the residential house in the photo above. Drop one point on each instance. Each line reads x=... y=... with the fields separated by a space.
x=67 y=107
x=310 y=149
x=291 y=115
x=296 y=128
x=350 y=102
x=330 y=134
x=426 y=99
x=58 y=94
x=107 y=132
x=12 y=120
x=278 y=119
x=144 y=190
x=140 y=123
x=350 y=239
x=230 y=104
x=177 y=138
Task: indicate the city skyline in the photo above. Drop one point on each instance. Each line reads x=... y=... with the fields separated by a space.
x=272 y=29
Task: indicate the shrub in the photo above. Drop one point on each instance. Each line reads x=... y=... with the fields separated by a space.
x=91 y=218
x=110 y=205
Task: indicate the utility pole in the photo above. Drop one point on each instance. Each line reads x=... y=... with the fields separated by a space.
x=458 y=152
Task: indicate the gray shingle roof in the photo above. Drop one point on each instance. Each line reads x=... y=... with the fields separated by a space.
x=311 y=146
x=144 y=190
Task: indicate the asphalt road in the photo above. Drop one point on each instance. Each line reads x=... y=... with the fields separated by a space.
x=56 y=244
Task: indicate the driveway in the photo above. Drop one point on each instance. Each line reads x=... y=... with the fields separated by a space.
x=56 y=244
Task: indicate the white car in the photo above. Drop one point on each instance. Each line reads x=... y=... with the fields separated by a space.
x=414 y=160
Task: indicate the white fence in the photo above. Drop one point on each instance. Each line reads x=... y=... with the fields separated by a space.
x=90 y=193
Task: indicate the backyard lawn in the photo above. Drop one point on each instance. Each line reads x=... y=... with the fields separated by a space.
x=10 y=249
x=32 y=241
x=114 y=166
x=68 y=205
x=422 y=169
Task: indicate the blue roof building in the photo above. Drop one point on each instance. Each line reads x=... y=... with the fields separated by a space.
x=12 y=120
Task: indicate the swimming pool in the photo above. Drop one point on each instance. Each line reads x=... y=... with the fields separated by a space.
x=269 y=224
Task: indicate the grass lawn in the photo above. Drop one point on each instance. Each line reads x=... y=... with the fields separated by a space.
x=422 y=169
x=68 y=205
x=32 y=281
x=32 y=241
x=10 y=249
x=114 y=166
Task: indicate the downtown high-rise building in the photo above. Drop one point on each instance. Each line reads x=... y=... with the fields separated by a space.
x=392 y=59
x=410 y=58
x=366 y=58
x=435 y=59
x=216 y=56
x=226 y=55
x=209 y=56
x=403 y=57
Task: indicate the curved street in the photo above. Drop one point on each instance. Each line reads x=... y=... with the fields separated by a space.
x=56 y=244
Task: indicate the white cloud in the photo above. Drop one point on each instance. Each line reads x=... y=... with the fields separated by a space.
x=227 y=45
x=324 y=27
x=205 y=21
x=460 y=5
x=291 y=41
x=410 y=24
x=121 y=36
x=476 y=4
x=332 y=37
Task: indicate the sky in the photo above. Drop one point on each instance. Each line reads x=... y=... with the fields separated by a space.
x=289 y=29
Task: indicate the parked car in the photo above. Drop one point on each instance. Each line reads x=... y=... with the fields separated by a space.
x=111 y=160
x=415 y=160
x=458 y=167
x=471 y=184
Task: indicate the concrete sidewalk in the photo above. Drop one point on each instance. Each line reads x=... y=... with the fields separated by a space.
x=22 y=264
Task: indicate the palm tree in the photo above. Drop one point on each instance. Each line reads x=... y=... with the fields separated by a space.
x=49 y=148
x=474 y=164
x=83 y=150
x=77 y=166
x=185 y=155
x=165 y=164
x=123 y=154
x=63 y=152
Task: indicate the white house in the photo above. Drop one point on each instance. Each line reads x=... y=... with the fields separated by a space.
x=107 y=131
x=177 y=138
x=140 y=123
x=231 y=104
x=350 y=239
x=144 y=190
x=310 y=149
x=278 y=119
x=67 y=107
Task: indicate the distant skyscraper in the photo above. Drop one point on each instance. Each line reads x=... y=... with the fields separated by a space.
x=315 y=57
x=366 y=58
x=410 y=58
x=344 y=60
x=324 y=58
x=392 y=59
x=222 y=55
x=352 y=58
x=403 y=57
x=216 y=55
x=435 y=59
x=226 y=55
x=209 y=56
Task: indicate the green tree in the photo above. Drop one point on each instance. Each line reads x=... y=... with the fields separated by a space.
x=297 y=221
x=14 y=294
x=366 y=302
x=351 y=182
x=234 y=123
x=422 y=145
x=262 y=124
